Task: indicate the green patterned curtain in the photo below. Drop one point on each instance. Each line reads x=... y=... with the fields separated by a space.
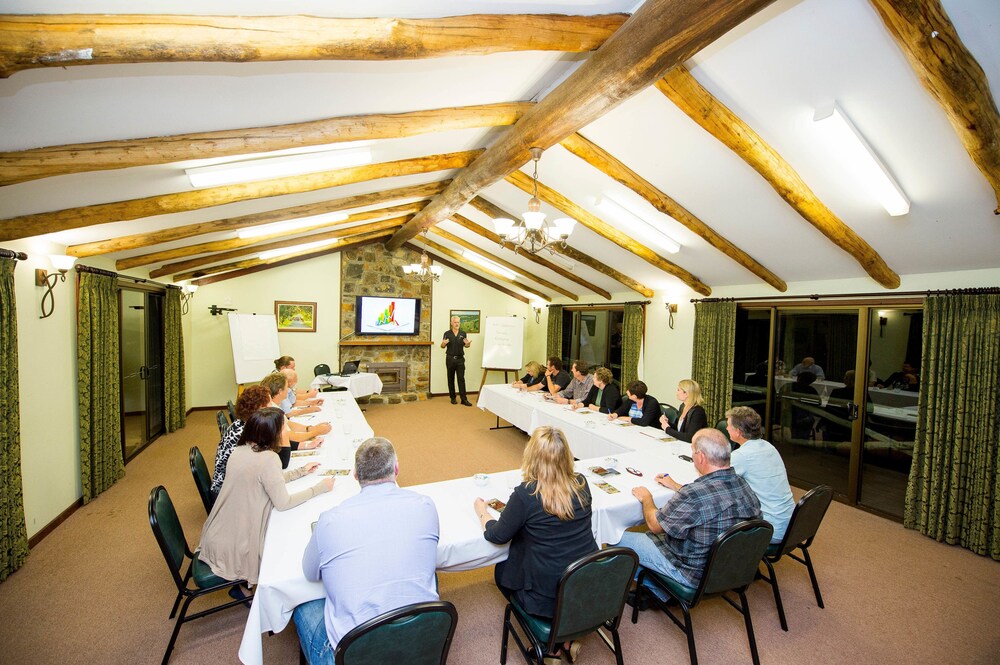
x=553 y=340
x=101 y=462
x=173 y=362
x=632 y=327
x=13 y=536
x=714 y=355
x=954 y=490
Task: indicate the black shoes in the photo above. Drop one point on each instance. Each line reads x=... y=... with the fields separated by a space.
x=632 y=598
x=466 y=402
x=454 y=401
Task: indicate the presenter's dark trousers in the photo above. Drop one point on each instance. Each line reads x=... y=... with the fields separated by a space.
x=456 y=366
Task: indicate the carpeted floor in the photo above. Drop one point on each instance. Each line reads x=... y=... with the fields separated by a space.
x=97 y=590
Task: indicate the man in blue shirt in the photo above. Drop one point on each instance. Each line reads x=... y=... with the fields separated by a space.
x=760 y=464
x=375 y=552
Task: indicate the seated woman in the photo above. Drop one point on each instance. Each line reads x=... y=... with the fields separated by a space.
x=532 y=380
x=547 y=523
x=604 y=395
x=641 y=409
x=692 y=415
x=306 y=436
x=252 y=399
x=232 y=539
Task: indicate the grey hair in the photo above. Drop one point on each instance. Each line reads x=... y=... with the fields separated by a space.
x=375 y=461
x=714 y=445
x=746 y=421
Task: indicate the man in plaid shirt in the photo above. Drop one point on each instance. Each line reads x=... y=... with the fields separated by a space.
x=683 y=530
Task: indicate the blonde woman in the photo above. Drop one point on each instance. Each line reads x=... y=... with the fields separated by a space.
x=532 y=379
x=692 y=412
x=547 y=523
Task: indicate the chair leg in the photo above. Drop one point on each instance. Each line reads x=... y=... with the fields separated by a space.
x=506 y=635
x=812 y=576
x=177 y=629
x=618 y=646
x=773 y=581
x=689 y=631
x=749 y=623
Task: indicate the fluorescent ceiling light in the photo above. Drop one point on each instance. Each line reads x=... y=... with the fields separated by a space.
x=292 y=224
x=272 y=253
x=846 y=144
x=561 y=260
x=486 y=263
x=276 y=167
x=630 y=220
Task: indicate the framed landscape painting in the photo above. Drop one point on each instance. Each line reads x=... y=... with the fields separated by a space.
x=468 y=320
x=295 y=316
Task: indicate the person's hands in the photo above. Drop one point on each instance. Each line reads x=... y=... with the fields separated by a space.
x=612 y=416
x=668 y=482
x=314 y=442
x=664 y=423
x=311 y=467
x=594 y=407
x=480 y=506
x=322 y=428
x=561 y=400
x=641 y=493
x=326 y=485
x=467 y=342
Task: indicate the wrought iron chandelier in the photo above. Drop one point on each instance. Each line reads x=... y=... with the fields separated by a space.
x=423 y=271
x=534 y=233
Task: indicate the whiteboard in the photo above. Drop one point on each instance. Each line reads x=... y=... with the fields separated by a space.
x=255 y=345
x=503 y=343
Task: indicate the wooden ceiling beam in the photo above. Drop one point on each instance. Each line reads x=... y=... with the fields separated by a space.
x=24 y=165
x=249 y=263
x=236 y=243
x=170 y=234
x=455 y=256
x=928 y=39
x=120 y=211
x=605 y=269
x=712 y=115
x=608 y=164
x=57 y=40
x=661 y=34
x=190 y=264
x=479 y=278
x=622 y=239
x=494 y=211
x=506 y=264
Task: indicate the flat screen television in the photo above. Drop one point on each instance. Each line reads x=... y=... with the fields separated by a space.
x=379 y=315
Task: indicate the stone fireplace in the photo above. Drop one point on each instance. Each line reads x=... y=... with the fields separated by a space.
x=393 y=376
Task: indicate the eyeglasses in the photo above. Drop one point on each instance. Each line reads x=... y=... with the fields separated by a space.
x=634 y=472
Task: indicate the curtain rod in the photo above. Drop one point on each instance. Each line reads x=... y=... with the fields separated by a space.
x=11 y=254
x=109 y=273
x=604 y=304
x=899 y=294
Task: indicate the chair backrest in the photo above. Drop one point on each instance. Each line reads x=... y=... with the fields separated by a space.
x=220 y=418
x=232 y=411
x=806 y=518
x=418 y=634
x=734 y=557
x=723 y=426
x=321 y=369
x=202 y=479
x=591 y=592
x=670 y=412
x=168 y=532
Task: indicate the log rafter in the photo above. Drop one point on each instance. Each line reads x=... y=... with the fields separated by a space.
x=947 y=69
x=455 y=256
x=600 y=227
x=74 y=39
x=605 y=269
x=605 y=162
x=24 y=165
x=468 y=273
x=661 y=34
x=681 y=88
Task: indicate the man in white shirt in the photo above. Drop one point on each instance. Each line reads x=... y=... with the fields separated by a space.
x=808 y=364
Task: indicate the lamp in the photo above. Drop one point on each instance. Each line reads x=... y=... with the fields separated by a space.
x=537 y=307
x=291 y=225
x=882 y=321
x=631 y=219
x=275 y=167
x=533 y=234
x=423 y=271
x=62 y=264
x=846 y=143
x=295 y=249
x=671 y=310
x=488 y=264
x=187 y=292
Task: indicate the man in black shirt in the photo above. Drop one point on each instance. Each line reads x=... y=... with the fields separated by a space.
x=454 y=343
x=556 y=379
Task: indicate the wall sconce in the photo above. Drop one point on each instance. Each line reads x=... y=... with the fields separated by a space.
x=187 y=292
x=882 y=321
x=671 y=310
x=42 y=278
x=537 y=308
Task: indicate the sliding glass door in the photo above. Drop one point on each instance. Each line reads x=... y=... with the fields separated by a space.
x=593 y=335
x=141 y=348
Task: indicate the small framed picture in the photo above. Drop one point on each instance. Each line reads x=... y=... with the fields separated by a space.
x=468 y=319
x=295 y=316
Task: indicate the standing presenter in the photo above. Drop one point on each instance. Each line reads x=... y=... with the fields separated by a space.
x=454 y=344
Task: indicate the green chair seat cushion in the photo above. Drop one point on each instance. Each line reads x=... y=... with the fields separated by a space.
x=539 y=627
x=676 y=589
x=203 y=575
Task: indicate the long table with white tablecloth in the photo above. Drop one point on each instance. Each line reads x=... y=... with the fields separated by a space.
x=359 y=384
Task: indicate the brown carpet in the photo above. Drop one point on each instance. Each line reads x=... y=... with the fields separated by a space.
x=97 y=590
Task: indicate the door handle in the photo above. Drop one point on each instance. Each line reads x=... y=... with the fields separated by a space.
x=143 y=372
x=852 y=411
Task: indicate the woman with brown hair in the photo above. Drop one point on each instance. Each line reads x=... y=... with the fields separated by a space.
x=547 y=523
x=252 y=399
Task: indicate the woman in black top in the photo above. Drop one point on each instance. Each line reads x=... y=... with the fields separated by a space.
x=640 y=408
x=532 y=379
x=603 y=396
x=547 y=523
x=692 y=415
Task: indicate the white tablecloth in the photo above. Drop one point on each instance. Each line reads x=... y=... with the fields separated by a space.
x=893 y=397
x=360 y=384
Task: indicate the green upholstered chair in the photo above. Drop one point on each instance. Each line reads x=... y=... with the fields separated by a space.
x=231 y=408
x=321 y=368
x=670 y=412
x=222 y=421
x=723 y=426
x=202 y=478
x=170 y=537
x=732 y=566
x=591 y=595
x=801 y=531
x=418 y=634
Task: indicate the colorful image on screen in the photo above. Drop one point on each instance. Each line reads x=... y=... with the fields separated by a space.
x=387 y=316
